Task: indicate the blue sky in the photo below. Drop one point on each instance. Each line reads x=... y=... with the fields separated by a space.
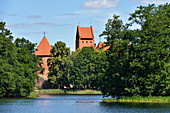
x=59 y=18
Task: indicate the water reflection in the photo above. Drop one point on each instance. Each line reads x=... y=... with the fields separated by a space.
x=136 y=107
x=75 y=104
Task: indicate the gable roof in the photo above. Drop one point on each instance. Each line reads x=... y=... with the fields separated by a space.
x=85 y=32
x=102 y=45
x=43 y=48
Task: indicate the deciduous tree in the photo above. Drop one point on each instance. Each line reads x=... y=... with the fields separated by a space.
x=88 y=68
x=18 y=65
x=138 y=58
x=59 y=66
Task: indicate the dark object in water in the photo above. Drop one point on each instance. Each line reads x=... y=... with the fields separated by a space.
x=85 y=102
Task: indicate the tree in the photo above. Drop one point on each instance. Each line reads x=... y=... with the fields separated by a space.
x=138 y=58
x=59 y=66
x=29 y=64
x=7 y=62
x=18 y=65
x=152 y=46
x=116 y=34
x=83 y=69
x=88 y=67
x=101 y=66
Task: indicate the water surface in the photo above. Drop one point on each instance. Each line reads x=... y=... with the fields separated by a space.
x=76 y=104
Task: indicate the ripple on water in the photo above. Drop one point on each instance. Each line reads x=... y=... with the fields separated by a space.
x=75 y=104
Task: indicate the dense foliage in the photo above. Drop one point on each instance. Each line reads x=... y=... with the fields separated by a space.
x=18 y=65
x=139 y=59
x=59 y=66
x=81 y=69
x=85 y=72
x=137 y=62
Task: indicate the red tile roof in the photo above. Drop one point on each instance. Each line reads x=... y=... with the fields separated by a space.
x=102 y=44
x=85 y=32
x=43 y=48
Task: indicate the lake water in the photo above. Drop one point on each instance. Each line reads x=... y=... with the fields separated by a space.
x=76 y=104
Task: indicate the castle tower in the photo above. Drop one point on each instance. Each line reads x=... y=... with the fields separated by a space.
x=43 y=50
x=84 y=37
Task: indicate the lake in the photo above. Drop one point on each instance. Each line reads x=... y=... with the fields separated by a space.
x=76 y=104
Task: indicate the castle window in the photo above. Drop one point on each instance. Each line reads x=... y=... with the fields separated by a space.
x=90 y=41
x=86 y=41
x=82 y=41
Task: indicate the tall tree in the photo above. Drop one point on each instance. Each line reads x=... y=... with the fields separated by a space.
x=88 y=67
x=101 y=66
x=138 y=58
x=83 y=69
x=7 y=62
x=59 y=66
x=152 y=46
x=18 y=65
x=29 y=64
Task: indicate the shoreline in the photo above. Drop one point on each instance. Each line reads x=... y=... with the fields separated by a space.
x=123 y=99
x=139 y=99
x=63 y=92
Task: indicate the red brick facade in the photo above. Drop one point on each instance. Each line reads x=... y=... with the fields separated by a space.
x=43 y=51
x=45 y=66
x=84 y=37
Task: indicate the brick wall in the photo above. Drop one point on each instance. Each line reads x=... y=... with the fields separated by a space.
x=44 y=65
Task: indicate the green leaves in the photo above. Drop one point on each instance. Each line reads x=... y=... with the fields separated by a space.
x=88 y=68
x=59 y=66
x=138 y=58
x=18 y=65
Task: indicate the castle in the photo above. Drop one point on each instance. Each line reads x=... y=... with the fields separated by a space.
x=84 y=38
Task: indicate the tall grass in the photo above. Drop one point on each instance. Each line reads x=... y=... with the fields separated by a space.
x=149 y=99
x=32 y=95
x=60 y=91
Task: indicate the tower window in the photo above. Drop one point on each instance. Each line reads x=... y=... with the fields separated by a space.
x=90 y=41
x=82 y=41
x=86 y=41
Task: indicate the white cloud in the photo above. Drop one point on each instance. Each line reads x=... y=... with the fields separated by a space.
x=42 y=23
x=133 y=0
x=36 y=32
x=155 y=1
x=13 y=15
x=100 y=3
x=69 y=14
x=151 y=1
x=33 y=16
x=22 y=25
x=79 y=14
x=31 y=32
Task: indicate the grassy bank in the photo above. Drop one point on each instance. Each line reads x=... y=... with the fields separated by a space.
x=32 y=95
x=140 y=99
x=60 y=91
